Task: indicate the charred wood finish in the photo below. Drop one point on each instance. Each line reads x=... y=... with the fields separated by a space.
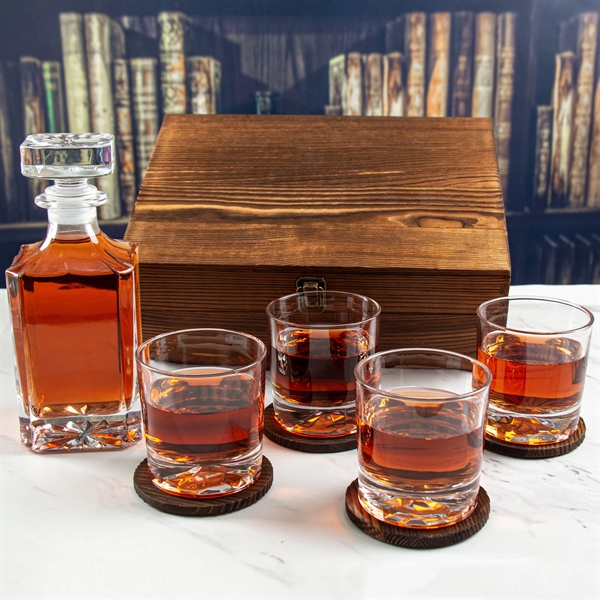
x=234 y=208
x=422 y=539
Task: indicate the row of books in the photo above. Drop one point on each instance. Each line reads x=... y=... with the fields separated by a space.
x=436 y=65
x=99 y=87
x=566 y=259
x=567 y=153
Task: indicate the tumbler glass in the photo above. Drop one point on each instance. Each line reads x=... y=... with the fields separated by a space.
x=421 y=417
x=202 y=394
x=317 y=338
x=537 y=350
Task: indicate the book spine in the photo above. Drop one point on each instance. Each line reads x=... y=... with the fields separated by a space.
x=542 y=157
x=332 y=110
x=562 y=104
x=583 y=260
x=118 y=44
x=565 y=260
x=218 y=85
x=505 y=74
x=218 y=79
x=438 y=71
x=124 y=125
x=582 y=111
x=337 y=81
x=482 y=99
x=172 y=46
x=373 y=85
x=203 y=81
x=414 y=51
x=567 y=35
x=393 y=86
x=55 y=105
x=34 y=111
x=595 y=262
x=32 y=90
x=76 y=80
x=462 y=61
x=145 y=110
x=549 y=252
x=102 y=117
x=12 y=207
x=394 y=35
x=354 y=84
x=593 y=185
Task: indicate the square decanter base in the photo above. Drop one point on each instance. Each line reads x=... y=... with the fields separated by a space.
x=82 y=433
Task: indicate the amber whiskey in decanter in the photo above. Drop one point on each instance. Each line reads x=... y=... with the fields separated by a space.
x=74 y=307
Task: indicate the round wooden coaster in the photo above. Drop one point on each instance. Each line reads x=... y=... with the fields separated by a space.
x=276 y=433
x=417 y=538
x=537 y=451
x=201 y=507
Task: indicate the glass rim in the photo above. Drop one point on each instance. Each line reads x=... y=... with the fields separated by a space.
x=254 y=363
x=577 y=307
x=447 y=353
x=318 y=325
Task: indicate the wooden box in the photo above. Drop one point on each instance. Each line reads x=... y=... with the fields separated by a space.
x=234 y=209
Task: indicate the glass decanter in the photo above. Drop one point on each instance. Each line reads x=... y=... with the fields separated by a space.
x=74 y=307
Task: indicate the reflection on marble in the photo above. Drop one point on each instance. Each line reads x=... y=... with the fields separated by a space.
x=73 y=527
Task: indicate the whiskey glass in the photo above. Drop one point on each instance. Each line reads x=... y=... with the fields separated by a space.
x=537 y=350
x=317 y=338
x=421 y=418
x=202 y=394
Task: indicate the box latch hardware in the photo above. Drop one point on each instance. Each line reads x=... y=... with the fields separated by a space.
x=313 y=290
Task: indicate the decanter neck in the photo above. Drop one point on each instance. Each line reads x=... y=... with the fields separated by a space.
x=71 y=203
x=62 y=220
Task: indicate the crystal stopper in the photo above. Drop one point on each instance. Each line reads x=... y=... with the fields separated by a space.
x=67 y=155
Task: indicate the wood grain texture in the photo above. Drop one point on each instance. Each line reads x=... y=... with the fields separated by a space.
x=201 y=507
x=276 y=433
x=417 y=539
x=416 y=311
x=538 y=451
x=288 y=186
x=234 y=208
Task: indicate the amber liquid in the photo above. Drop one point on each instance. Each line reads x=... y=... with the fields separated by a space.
x=206 y=418
x=419 y=461
x=414 y=444
x=73 y=310
x=533 y=381
x=316 y=367
x=204 y=435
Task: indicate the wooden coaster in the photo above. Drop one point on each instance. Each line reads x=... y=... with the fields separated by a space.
x=537 y=451
x=417 y=538
x=201 y=507
x=276 y=433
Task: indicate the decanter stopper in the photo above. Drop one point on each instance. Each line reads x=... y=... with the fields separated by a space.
x=67 y=155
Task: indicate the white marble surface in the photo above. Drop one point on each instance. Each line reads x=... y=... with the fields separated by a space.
x=73 y=527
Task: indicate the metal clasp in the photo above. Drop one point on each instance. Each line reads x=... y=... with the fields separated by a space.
x=313 y=290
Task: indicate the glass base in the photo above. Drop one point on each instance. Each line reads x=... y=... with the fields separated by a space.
x=425 y=510
x=89 y=433
x=531 y=429
x=318 y=422
x=192 y=479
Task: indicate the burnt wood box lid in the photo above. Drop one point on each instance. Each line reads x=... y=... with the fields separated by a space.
x=234 y=208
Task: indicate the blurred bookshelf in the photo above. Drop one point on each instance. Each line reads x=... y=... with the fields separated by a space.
x=232 y=49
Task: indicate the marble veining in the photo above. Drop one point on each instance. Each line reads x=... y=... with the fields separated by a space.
x=73 y=526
